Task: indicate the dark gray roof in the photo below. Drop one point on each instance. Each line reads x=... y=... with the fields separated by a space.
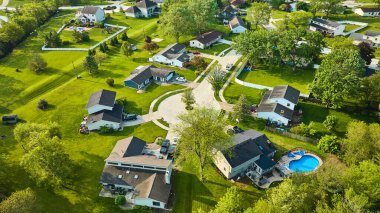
x=89 y=9
x=326 y=22
x=369 y=10
x=248 y=145
x=277 y=108
x=357 y=36
x=140 y=75
x=206 y=38
x=287 y=92
x=114 y=115
x=321 y=28
x=172 y=51
x=102 y=97
x=148 y=184
x=372 y=33
x=133 y=9
x=229 y=9
x=130 y=146
x=183 y=57
x=236 y=22
x=146 y=4
x=265 y=162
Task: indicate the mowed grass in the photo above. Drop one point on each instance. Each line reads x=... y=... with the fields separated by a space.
x=17 y=3
x=275 y=76
x=373 y=22
x=234 y=90
x=96 y=36
x=350 y=27
x=214 y=50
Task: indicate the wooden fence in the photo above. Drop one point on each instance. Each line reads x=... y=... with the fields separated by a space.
x=292 y=135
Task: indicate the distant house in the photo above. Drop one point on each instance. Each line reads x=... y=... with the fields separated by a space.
x=227 y=13
x=251 y=151
x=174 y=54
x=237 y=25
x=326 y=27
x=90 y=14
x=278 y=104
x=144 y=75
x=143 y=178
x=237 y=3
x=370 y=36
x=206 y=39
x=9 y=119
x=142 y=9
x=103 y=111
x=371 y=12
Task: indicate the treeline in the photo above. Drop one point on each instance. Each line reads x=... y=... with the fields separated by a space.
x=23 y=22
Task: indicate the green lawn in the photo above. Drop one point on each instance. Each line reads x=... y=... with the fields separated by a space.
x=214 y=50
x=373 y=23
x=234 y=90
x=275 y=76
x=96 y=35
x=350 y=27
x=16 y=3
x=276 y=14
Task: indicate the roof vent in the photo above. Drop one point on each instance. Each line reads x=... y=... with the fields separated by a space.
x=136 y=176
x=127 y=171
x=120 y=176
x=282 y=111
x=268 y=141
x=261 y=148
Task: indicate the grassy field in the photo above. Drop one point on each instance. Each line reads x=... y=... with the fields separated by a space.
x=350 y=27
x=16 y=3
x=214 y=50
x=234 y=90
x=373 y=23
x=279 y=76
x=96 y=35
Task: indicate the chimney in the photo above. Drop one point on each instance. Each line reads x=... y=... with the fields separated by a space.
x=167 y=177
x=282 y=111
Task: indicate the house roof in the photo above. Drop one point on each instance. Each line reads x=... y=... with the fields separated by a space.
x=237 y=2
x=265 y=162
x=102 y=97
x=208 y=37
x=140 y=75
x=321 y=28
x=172 y=50
x=133 y=9
x=130 y=146
x=89 y=9
x=146 y=4
x=114 y=115
x=276 y=108
x=357 y=36
x=247 y=145
x=229 y=9
x=369 y=10
x=326 y=22
x=148 y=184
x=287 y=92
x=372 y=33
x=236 y=22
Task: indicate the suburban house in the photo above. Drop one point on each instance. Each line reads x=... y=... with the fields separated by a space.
x=370 y=36
x=251 y=151
x=206 y=39
x=143 y=178
x=227 y=13
x=174 y=54
x=90 y=14
x=144 y=75
x=326 y=27
x=237 y=25
x=142 y=9
x=278 y=104
x=367 y=11
x=103 y=111
x=237 y=3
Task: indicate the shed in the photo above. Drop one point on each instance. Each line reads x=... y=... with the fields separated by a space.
x=10 y=119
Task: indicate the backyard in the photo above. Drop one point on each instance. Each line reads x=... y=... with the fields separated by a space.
x=214 y=50
x=96 y=35
x=373 y=22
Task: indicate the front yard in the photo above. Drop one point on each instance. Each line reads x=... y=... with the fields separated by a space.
x=214 y=50
x=96 y=36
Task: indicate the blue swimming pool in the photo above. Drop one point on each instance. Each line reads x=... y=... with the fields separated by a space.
x=306 y=163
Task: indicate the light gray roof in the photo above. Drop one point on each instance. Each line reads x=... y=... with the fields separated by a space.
x=140 y=75
x=357 y=36
x=114 y=115
x=276 y=108
x=102 y=97
x=207 y=37
x=287 y=92
x=89 y=9
x=236 y=22
x=146 y=4
x=327 y=22
x=172 y=50
x=372 y=33
x=133 y=9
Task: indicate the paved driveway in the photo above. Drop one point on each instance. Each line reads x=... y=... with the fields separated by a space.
x=230 y=58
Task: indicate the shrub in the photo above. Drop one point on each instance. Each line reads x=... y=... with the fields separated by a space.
x=304 y=130
x=105 y=129
x=120 y=200
x=37 y=64
x=42 y=104
x=148 y=39
x=199 y=63
x=331 y=122
x=124 y=36
x=329 y=143
x=110 y=82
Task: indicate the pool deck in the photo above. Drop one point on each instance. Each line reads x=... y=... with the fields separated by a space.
x=283 y=163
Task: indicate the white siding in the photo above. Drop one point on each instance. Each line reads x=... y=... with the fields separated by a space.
x=98 y=108
x=274 y=117
x=239 y=29
x=98 y=124
x=222 y=164
x=196 y=44
x=148 y=202
x=243 y=167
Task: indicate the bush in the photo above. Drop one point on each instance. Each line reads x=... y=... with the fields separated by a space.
x=37 y=64
x=331 y=122
x=148 y=39
x=304 y=130
x=110 y=82
x=329 y=143
x=120 y=200
x=124 y=36
x=42 y=104
x=105 y=129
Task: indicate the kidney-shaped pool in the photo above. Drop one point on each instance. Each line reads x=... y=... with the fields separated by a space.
x=306 y=163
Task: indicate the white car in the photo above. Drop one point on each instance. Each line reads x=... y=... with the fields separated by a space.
x=181 y=79
x=229 y=67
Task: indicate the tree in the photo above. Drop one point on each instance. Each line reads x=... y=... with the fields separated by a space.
x=216 y=79
x=80 y=36
x=148 y=39
x=120 y=200
x=188 y=98
x=300 y=19
x=302 y=6
x=27 y=23
x=329 y=143
x=242 y=109
x=202 y=132
x=259 y=14
x=90 y=64
x=304 y=130
x=42 y=104
x=124 y=36
x=176 y=21
x=101 y=48
x=231 y=202
x=22 y=201
x=349 y=202
x=37 y=63
x=150 y=47
x=199 y=63
x=338 y=76
x=126 y=49
x=366 y=52
x=100 y=57
x=331 y=122
x=326 y=6
x=369 y=90
x=204 y=13
x=110 y=82
x=53 y=39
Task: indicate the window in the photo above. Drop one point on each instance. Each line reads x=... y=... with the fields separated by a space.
x=155 y=203
x=110 y=163
x=288 y=104
x=225 y=169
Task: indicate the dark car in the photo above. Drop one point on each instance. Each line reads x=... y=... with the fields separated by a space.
x=237 y=130
x=130 y=117
x=165 y=147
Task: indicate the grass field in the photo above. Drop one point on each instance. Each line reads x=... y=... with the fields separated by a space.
x=234 y=90
x=96 y=35
x=373 y=23
x=279 y=76
x=350 y=27
x=214 y=50
x=15 y=3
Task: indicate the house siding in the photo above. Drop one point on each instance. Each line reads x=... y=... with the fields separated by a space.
x=274 y=117
x=98 y=108
x=148 y=202
x=239 y=29
x=98 y=124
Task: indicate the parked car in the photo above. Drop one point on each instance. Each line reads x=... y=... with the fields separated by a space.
x=237 y=129
x=175 y=141
x=229 y=67
x=165 y=146
x=196 y=53
x=130 y=117
x=181 y=79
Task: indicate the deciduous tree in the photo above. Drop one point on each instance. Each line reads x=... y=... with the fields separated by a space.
x=242 y=109
x=177 y=21
x=90 y=64
x=37 y=63
x=366 y=52
x=22 y=201
x=188 y=98
x=216 y=79
x=329 y=143
x=369 y=90
x=331 y=122
x=126 y=49
x=204 y=14
x=231 y=202
x=259 y=14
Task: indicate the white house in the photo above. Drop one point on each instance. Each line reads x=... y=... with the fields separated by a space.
x=144 y=75
x=371 y=12
x=143 y=178
x=103 y=111
x=90 y=14
x=237 y=25
x=206 y=39
x=251 y=151
x=278 y=104
x=174 y=54
x=370 y=36
x=142 y=9
x=326 y=27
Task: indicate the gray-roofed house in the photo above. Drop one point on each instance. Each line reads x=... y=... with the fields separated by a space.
x=90 y=14
x=206 y=39
x=251 y=151
x=144 y=75
x=130 y=170
x=227 y=13
x=237 y=25
x=142 y=9
x=174 y=54
x=370 y=36
x=370 y=12
x=278 y=105
x=326 y=27
x=103 y=110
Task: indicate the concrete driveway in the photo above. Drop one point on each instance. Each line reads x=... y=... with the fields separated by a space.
x=230 y=58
